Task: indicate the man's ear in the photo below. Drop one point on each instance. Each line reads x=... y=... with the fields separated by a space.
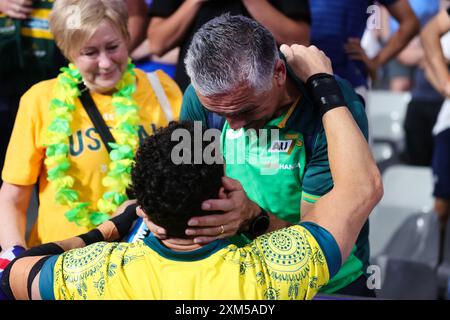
x=279 y=72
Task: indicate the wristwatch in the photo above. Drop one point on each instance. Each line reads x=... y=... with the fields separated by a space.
x=259 y=224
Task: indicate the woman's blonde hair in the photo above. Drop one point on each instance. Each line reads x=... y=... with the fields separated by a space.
x=73 y=22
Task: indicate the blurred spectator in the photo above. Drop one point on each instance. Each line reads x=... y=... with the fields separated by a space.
x=174 y=22
x=438 y=74
x=142 y=57
x=422 y=110
x=137 y=22
x=28 y=55
x=426 y=102
x=337 y=29
x=148 y=62
x=402 y=69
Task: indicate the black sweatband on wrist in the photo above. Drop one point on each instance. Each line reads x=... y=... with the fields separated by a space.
x=92 y=236
x=325 y=91
x=124 y=221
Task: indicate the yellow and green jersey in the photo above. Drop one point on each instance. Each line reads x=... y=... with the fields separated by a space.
x=292 y=263
x=291 y=166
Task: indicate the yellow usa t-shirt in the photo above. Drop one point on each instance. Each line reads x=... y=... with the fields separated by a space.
x=291 y=263
x=24 y=163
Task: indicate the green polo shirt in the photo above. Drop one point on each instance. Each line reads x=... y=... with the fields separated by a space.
x=278 y=172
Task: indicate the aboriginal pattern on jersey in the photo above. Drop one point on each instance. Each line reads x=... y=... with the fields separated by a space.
x=282 y=260
x=92 y=266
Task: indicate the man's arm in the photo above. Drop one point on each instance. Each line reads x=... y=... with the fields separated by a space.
x=21 y=277
x=436 y=65
x=166 y=33
x=409 y=26
x=357 y=181
x=357 y=184
x=137 y=22
x=317 y=179
x=283 y=28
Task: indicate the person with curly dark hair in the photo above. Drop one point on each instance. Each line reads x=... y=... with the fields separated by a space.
x=290 y=263
x=173 y=194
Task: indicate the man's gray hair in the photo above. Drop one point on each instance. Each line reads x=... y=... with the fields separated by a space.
x=228 y=51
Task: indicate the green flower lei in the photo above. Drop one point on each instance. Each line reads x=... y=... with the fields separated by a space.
x=58 y=132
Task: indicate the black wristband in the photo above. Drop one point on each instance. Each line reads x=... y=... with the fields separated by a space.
x=259 y=225
x=92 y=236
x=325 y=92
x=124 y=221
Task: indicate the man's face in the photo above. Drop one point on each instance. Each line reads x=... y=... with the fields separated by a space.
x=244 y=107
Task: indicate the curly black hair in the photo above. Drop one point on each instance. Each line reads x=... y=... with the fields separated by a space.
x=170 y=194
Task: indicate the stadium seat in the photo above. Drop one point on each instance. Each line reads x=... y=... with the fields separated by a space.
x=382 y=151
x=414 y=248
x=407 y=190
x=407 y=280
x=443 y=271
x=383 y=128
x=393 y=104
x=386 y=113
x=416 y=240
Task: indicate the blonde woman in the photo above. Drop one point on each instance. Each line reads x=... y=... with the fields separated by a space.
x=54 y=142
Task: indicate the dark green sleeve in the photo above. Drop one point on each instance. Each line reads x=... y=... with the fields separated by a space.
x=317 y=180
x=191 y=107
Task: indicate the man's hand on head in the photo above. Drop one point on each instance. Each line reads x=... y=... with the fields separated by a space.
x=306 y=61
x=238 y=210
